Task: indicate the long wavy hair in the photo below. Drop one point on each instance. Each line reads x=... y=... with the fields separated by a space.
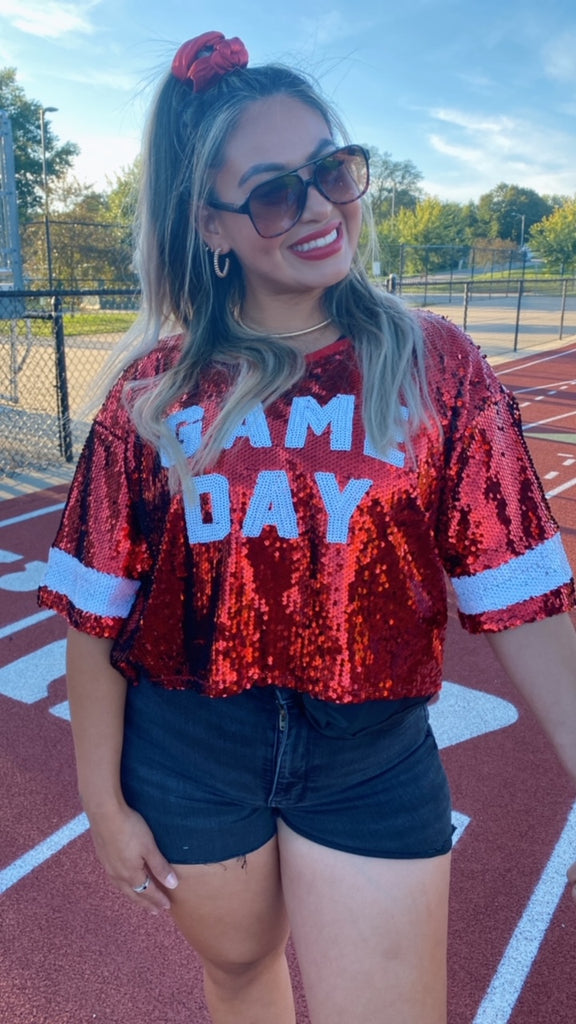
x=184 y=149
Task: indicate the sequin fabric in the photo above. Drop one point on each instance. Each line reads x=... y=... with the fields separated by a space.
x=310 y=561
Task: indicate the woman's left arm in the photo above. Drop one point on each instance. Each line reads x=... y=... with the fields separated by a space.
x=540 y=658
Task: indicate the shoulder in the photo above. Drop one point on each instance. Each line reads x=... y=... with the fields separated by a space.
x=114 y=414
x=158 y=360
x=456 y=367
x=446 y=342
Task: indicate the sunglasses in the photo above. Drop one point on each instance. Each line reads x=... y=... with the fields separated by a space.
x=276 y=206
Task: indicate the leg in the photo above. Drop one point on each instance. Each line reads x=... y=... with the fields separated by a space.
x=370 y=934
x=233 y=915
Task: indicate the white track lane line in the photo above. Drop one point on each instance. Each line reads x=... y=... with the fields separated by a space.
x=508 y=982
x=30 y=620
x=551 y=419
x=32 y=515
x=561 y=487
x=560 y=384
x=536 y=362
x=38 y=854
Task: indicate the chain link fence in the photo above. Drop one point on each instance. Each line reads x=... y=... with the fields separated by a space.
x=51 y=349
x=512 y=311
x=52 y=346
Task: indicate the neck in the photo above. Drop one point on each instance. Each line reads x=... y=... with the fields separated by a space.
x=303 y=325
x=297 y=333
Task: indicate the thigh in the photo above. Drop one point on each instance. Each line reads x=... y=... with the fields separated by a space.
x=370 y=933
x=232 y=912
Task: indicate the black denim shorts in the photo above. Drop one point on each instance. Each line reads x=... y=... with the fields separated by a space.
x=211 y=776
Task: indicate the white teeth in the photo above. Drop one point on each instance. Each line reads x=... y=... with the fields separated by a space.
x=318 y=243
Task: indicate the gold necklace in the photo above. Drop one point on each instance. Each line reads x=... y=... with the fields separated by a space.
x=286 y=334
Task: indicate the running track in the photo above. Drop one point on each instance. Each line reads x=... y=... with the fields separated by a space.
x=72 y=951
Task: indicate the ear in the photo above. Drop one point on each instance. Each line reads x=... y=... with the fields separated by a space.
x=210 y=227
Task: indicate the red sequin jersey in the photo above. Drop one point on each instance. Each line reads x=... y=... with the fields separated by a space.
x=311 y=560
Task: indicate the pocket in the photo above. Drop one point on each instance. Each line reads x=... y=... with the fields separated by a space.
x=348 y=721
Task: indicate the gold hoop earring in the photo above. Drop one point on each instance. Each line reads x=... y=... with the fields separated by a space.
x=220 y=272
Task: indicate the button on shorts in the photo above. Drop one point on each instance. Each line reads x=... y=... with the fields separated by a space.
x=211 y=776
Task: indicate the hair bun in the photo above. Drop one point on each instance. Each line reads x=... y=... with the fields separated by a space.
x=205 y=59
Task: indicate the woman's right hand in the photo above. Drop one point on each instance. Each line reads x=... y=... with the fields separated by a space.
x=124 y=843
x=129 y=855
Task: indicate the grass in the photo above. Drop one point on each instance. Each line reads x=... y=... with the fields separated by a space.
x=84 y=323
x=101 y=322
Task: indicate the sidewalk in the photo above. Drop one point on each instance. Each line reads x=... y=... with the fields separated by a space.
x=492 y=327
x=30 y=481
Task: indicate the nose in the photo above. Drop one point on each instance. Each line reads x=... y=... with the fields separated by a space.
x=315 y=203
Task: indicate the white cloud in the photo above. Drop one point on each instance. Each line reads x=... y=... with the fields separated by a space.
x=51 y=19
x=503 y=148
x=7 y=58
x=560 y=57
x=454 y=191
x=480 y=83
x=472 y=122
x=466 y=154
x=118 y=80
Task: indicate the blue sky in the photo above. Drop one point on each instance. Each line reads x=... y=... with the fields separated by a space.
x=473 y=92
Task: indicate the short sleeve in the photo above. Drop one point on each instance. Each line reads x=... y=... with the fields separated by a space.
x=496 y=534
x=100 y=555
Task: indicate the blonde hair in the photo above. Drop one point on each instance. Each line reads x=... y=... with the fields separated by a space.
x=184 y=149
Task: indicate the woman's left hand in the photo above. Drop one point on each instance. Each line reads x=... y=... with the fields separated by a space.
x=572 y=879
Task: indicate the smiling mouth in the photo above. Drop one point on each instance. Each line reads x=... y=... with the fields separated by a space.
x=318 y=243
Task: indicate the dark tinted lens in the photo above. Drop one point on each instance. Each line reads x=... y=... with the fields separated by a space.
x=276 y=205
x=343 y=176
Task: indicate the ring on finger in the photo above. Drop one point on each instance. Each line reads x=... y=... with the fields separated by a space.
x=142 y=888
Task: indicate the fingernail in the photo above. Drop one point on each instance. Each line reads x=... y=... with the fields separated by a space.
x=171 y=881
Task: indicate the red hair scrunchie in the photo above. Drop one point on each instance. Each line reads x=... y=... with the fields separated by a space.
x=193 y=62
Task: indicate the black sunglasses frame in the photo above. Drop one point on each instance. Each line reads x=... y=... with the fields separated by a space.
x=307 y=183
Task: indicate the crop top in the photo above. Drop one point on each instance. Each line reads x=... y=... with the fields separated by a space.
x=311 y=559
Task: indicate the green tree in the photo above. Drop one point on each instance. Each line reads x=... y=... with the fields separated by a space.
x=554 y=239
x=509 y=212
x=92 y=248
x=123 y=193
x=394 y=185
x=433 y=235
x=24 y=116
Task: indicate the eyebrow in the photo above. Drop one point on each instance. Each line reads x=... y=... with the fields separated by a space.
x=256 y=169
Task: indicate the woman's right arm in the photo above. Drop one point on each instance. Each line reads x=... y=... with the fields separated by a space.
x=124 y=843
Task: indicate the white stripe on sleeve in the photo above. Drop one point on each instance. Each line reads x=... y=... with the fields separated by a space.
x=89 y=590
x=532 y=574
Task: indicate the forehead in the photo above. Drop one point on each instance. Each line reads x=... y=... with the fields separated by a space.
x=279 y=130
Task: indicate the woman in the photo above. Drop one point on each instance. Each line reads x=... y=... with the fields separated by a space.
x=251 y=562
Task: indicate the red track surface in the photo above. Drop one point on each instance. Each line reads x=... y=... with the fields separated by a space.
x=73 y=952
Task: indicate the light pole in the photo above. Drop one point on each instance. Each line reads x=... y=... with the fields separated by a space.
x=522 y=218
x=393 y=204
x=43 y=112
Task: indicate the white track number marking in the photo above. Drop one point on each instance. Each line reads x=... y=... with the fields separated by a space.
x=28 y=678
x=29 y=578
x=462 y=713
